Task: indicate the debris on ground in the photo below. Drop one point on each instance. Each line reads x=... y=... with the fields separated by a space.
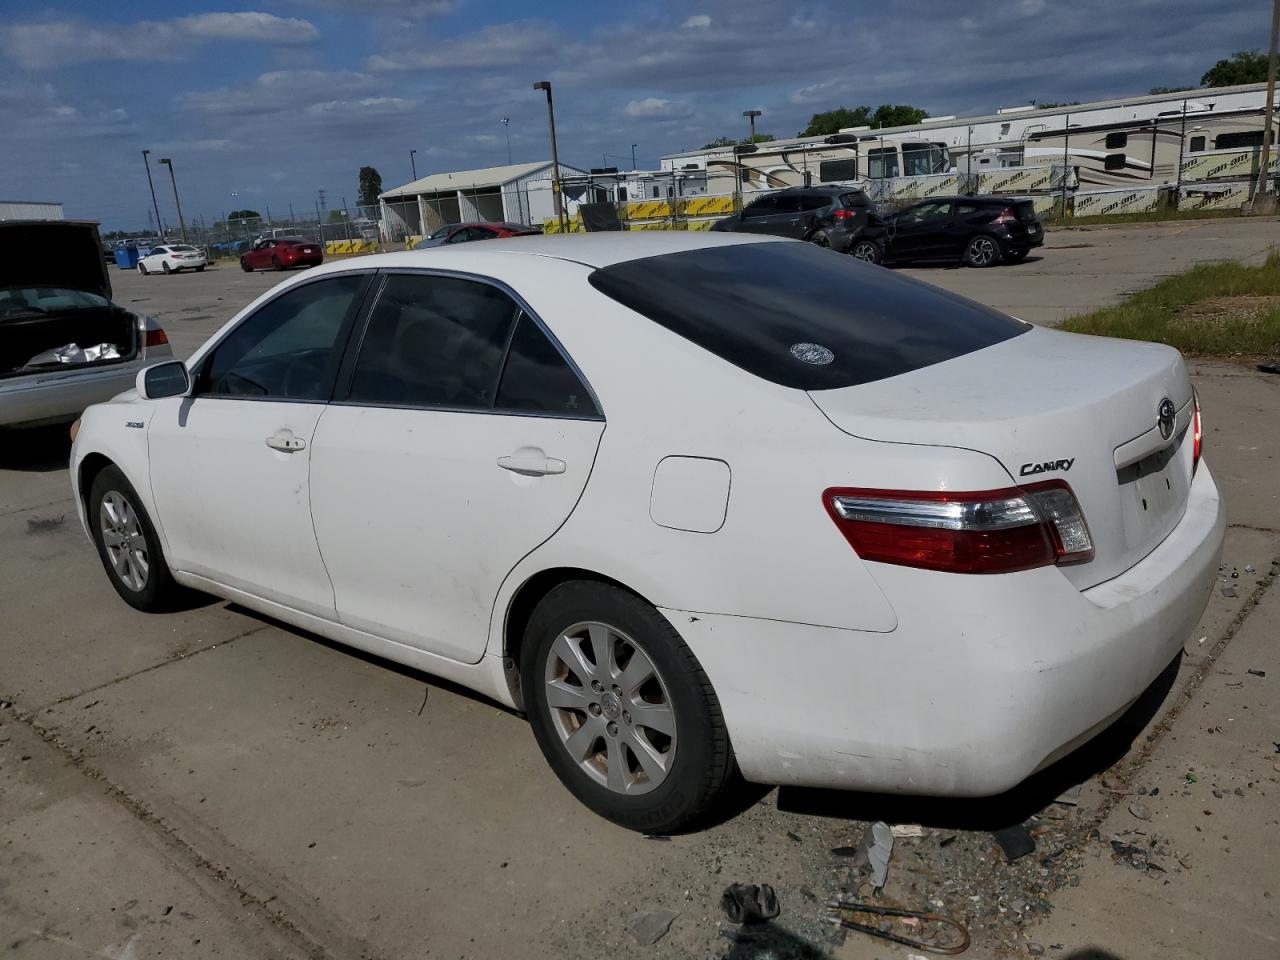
x=1070 y=796
x=1257 y=673
x=928 y=931
x=1230 y=592
x=906 y=831
x=748 y=903
x=1137 y=855
x=1016 y=841
x=1140 y=810
x=649 y=928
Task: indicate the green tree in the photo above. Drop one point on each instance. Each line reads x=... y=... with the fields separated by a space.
x=1055 y=104
x=886 y=115
x=1244 y=66
x=832 y=121
x=720 y=142
x=244 y=215
x=1155 y=91
x=370 y=186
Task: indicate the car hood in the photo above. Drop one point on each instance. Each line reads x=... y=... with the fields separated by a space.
x=53 y=254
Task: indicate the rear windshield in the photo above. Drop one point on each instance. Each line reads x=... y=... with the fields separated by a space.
x=801 y=316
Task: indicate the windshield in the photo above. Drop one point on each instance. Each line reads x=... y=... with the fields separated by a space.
x=803 y=317
x=17 y=301
x=442 y=232
x=182 y=248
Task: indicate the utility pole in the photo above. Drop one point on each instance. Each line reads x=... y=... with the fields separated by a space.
x=413 y=165
x=633 y=158
x=182 y=227
x=506 y=128
x=751 y=116
x=292 y=219
x=545 y=85
x=1182 y=142
x=152 y=185
x=1268 y=114
x=1066 y=142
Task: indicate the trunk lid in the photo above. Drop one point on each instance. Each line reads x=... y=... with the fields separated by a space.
x=1053 y=406
x=54 y=253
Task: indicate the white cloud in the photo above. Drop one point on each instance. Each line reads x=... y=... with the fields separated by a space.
x=498 y=46
x=52 y=43
x=656 y=107
x=368 y=107
x=698 y=21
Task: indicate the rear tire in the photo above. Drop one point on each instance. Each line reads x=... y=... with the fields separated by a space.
x=128 y=546
x=275 y=262
x=819 y=238
x=639 y=739
x=244 y=265
x=868 y=251
x=164 y=265
x=981 y=251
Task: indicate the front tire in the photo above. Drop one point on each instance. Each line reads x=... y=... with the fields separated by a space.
x=127 y=544
x=622 y=709
x=199 y=269
x=981 y=251
x=868 y=251
x=142 y=269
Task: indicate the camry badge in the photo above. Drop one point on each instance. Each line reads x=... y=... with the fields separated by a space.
x=1165 y=414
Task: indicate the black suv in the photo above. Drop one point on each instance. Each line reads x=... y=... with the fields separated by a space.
x=980 y=231
x=835 y=217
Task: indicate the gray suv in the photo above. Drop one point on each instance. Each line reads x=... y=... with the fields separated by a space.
x=835 y=217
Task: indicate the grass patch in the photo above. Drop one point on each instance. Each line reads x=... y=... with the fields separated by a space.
x=1161 y=215
x=1213 y=310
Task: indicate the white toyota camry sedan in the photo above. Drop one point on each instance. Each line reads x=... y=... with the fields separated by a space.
x=698 y=504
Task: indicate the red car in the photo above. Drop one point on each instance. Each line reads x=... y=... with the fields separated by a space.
x=463 y=232
x=282 y=253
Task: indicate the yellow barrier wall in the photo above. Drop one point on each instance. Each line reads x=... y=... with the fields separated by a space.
x=334 y=247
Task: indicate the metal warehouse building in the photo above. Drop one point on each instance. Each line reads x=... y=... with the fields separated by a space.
x=519 y=192
x=30 y=210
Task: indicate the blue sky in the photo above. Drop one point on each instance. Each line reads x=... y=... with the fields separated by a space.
x=273 y=101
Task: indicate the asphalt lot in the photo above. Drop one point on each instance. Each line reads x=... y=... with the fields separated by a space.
x=212 y=784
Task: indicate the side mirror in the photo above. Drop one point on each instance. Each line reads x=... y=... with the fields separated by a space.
x=169 y=379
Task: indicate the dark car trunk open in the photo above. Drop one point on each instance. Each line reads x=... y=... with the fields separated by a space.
x=55 y=291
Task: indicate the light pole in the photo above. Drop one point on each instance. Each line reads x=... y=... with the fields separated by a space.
x=633 y=157
x=182 y=227
x=751 y=116
x=506 y=128
x=1264 y=171
x=413 y=165
x=155 y=206
x=555 y=156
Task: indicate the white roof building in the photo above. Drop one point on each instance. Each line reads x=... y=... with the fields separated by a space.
x=30 y=210
x=515 y=193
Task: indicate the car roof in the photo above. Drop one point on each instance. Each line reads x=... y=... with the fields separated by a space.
x=590 y=249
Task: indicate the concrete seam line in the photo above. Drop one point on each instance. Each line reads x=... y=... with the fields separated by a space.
x=1250 y=526
x=217 y=872
x=176 y=658
x=1125 y=769
x=39 y=506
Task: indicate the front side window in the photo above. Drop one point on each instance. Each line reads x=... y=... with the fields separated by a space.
x=926 y=212
x=287 y=349
x=761 y=208
x=882 y=162
x=434 y=342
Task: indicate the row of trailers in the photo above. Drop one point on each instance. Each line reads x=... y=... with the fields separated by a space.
x=1195 y=148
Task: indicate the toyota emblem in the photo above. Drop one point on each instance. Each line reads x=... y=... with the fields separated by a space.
x=1165 y=414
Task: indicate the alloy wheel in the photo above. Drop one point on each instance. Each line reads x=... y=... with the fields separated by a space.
x=982 y=251
x=610 y=708
x=865 y=250
x=124 y=541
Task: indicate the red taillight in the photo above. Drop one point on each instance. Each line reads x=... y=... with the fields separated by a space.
x=840 y=213
x=1005 y=216
x=988 y=531
x=1195 y=434
x=155 y=338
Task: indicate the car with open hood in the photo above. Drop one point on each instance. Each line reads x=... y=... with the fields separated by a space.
x=63 y=343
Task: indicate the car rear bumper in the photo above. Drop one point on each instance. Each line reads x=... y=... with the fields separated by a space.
x=985 y=680
x=61 y=396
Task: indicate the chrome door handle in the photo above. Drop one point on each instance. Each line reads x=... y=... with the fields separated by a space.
x=286 y=442
x=531 y=462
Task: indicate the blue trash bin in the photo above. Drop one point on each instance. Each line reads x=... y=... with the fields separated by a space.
x=127 y=258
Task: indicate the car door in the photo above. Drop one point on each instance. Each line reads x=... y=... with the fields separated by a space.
x=154 y=257
x=230 y=463
x=756 y=215
x=463 y=442
x=787 y=219
x=920 y=232
x=971 y=217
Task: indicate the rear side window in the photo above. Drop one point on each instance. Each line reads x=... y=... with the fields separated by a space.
x=434 y=342
x=1114 y=161
x=802 y=317
x=833 y=171
x=855 y=201
x=814 y=201
x=537 y=377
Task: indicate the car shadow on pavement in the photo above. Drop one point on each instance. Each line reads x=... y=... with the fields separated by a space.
x=35 y=449
x=1004 y=810
x=768 y=941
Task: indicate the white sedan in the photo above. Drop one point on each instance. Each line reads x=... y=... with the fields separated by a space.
x=698 y=504
x=172 y=257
